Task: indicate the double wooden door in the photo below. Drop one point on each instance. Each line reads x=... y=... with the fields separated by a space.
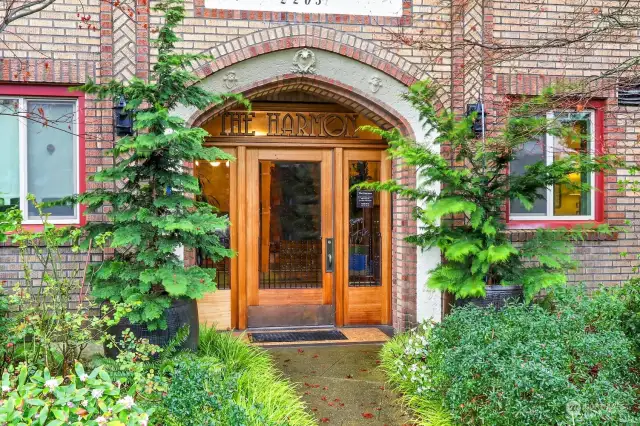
x=310 y=251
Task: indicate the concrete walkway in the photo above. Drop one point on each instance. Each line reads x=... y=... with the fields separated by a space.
x=342 y=385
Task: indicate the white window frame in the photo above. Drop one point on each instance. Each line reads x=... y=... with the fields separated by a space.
x=550 y=143
x=22 y=157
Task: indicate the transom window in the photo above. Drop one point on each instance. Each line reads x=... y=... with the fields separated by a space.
x=39 y=143
x=560 y=202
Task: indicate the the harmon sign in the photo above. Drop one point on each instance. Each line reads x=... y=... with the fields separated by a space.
x=334 y=7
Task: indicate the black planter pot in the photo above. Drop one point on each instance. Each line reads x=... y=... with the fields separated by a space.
x=181 y=312
x=497 y=296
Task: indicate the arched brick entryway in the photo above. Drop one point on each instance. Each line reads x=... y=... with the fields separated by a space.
x=316 y=37
x=262 y=63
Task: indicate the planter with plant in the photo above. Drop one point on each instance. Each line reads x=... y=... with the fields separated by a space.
x=150 y=197
x=464 y=217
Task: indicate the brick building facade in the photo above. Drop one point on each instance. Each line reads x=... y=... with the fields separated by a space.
x=361 y=63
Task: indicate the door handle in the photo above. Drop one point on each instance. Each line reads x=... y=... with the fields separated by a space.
x=329 y=259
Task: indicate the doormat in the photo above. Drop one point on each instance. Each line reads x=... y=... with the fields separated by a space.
x=296 y=336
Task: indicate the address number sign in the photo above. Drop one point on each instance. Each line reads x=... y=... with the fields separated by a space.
x=334 y=7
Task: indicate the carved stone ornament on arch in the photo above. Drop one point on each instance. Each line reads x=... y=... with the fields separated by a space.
x=392 y=8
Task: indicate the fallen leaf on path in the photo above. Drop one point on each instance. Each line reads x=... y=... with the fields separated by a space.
x=367 y=415
x=324 y=420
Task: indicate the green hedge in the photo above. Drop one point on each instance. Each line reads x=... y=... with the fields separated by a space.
x=567 y=363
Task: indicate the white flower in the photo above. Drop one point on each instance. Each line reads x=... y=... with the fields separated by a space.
x=51 y=384
x=127 y=401
x=144 y=419
x=83 y=377
x=101 y=421
x=6 y=389
x=96 y=393
x=84 y=403
x=70 y=404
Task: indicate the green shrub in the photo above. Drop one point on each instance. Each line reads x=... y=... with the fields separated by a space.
x=202 y=393
x=268 y=398
x=79 y=399
x=523 y=365
x=629 y=295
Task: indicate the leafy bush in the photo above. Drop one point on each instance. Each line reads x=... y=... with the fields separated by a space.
x=80 y=399
x=202 y=393
x=227 y=382
x=52 y=322
x=523 y=365
x=629 y=295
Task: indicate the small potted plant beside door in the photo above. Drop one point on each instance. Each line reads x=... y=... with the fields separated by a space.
x=464 y=217
x=150 y=198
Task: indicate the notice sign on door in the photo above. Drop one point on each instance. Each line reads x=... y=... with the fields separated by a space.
x=364 y=199
x=333 y=7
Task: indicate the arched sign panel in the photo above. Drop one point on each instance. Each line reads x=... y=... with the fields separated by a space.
x=352 y=7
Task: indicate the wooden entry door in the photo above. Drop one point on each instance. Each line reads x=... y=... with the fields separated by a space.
x=364 y=240
x=289 y=237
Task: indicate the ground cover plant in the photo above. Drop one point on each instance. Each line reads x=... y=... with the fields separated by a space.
x=226 y=382
x=78 y=399
x=567 y=362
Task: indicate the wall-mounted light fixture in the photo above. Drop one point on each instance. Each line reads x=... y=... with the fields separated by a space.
x=478 y=125
x=123 y=120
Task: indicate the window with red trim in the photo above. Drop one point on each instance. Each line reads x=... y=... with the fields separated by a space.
x=563 y=205
x=42 y=151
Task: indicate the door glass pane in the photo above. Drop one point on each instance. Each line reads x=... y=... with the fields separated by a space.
x=51 y=155
x=365 y=238
x=530 y=153
x=290 y=242
x=9 y=160
x=569 y=200
x=215 y=188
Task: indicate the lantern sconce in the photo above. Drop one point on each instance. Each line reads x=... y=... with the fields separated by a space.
x=123 y=119
x=478 y=125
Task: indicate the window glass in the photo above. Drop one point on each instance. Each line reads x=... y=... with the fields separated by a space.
x=215 y=185
x=530 y=153
x=51 y=155
x=9 y=160
x=365 y=237
x=290 y=242
x=568 y=200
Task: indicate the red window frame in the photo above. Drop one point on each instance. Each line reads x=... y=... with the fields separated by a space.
x=48 y=91
x=598 y=106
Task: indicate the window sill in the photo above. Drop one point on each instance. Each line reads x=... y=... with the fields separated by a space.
x=549 y=224
x=520 y=231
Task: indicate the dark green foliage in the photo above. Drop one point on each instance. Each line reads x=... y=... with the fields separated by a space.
x=6 y=325
x=629 y=296
x=476 y=249
x=202 y=394
x=526 y=365
x=153 y=204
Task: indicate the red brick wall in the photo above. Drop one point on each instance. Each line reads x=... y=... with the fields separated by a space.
x=57 y=47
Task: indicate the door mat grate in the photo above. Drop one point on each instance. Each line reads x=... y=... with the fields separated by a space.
x=296 y=336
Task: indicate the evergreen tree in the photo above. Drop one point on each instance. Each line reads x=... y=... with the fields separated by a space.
x=465 y=217
x=153 y=208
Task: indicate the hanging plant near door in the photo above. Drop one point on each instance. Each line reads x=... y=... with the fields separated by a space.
x=152 y=210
